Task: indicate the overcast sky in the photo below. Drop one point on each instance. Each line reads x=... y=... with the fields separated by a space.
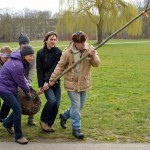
x=52 y=5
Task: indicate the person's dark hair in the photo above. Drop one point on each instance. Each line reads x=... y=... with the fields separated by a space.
x=79 y=37
x=48 y=35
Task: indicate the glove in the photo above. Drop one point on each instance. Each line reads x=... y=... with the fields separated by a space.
x=28 y=96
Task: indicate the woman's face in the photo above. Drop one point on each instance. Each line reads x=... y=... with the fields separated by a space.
x=29 y=58
x=51 y=41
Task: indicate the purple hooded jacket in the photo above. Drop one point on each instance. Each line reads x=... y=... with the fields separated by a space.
x=12 y=74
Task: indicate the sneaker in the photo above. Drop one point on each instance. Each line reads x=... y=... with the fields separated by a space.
x=31 y=122
x=78 y=134
x=22 y=140
x=10 y=130
x=63 y=121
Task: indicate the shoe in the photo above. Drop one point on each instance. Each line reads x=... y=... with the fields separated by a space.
x=63 y=121
x=45 y=127
x=78 y=134
x=31 y=122
x=22 y=140
x=51 y=129
x=10 y=130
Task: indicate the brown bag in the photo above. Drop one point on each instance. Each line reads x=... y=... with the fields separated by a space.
x=29 y=107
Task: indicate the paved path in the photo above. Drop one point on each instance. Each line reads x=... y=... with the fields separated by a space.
x=72 y=146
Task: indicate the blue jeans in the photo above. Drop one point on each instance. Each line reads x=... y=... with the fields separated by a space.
x=51 y=107
x=4 y=110
x=77 y=102
x=12 y=100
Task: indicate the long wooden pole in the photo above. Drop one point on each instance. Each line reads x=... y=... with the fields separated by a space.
x=102 y=43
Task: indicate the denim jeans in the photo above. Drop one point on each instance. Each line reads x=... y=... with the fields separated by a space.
x=51 y=107
x=4 y=110
x=77 y=102
x=12 y=100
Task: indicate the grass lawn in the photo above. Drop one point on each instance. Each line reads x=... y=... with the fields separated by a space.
x=118 y=104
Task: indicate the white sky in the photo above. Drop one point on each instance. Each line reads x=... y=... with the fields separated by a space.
x=52 y=5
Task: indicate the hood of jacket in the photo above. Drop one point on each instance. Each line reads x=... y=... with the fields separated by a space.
x=16 y=54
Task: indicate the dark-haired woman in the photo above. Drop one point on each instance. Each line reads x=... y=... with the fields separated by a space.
x=46 y=61
x=77 y=80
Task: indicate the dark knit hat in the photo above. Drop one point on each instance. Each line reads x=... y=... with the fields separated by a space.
x=26 y=50
x=79 y=37
x=23 y=39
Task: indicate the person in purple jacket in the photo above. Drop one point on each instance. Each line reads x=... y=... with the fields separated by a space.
x=12 y=77
x=28 y=73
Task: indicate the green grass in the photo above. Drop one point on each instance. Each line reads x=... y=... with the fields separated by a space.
x=118 y=104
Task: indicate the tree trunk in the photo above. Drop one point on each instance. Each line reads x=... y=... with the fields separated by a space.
x=99 y=31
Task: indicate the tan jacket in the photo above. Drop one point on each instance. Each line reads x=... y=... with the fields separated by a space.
x=78 y=78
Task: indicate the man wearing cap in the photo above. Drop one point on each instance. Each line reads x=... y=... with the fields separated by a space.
x=76 y=80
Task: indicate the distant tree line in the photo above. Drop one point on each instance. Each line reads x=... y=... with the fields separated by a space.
x=37 y=23
x=34 y=23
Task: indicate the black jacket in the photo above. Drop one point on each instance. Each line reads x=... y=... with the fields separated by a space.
x=46 y=61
